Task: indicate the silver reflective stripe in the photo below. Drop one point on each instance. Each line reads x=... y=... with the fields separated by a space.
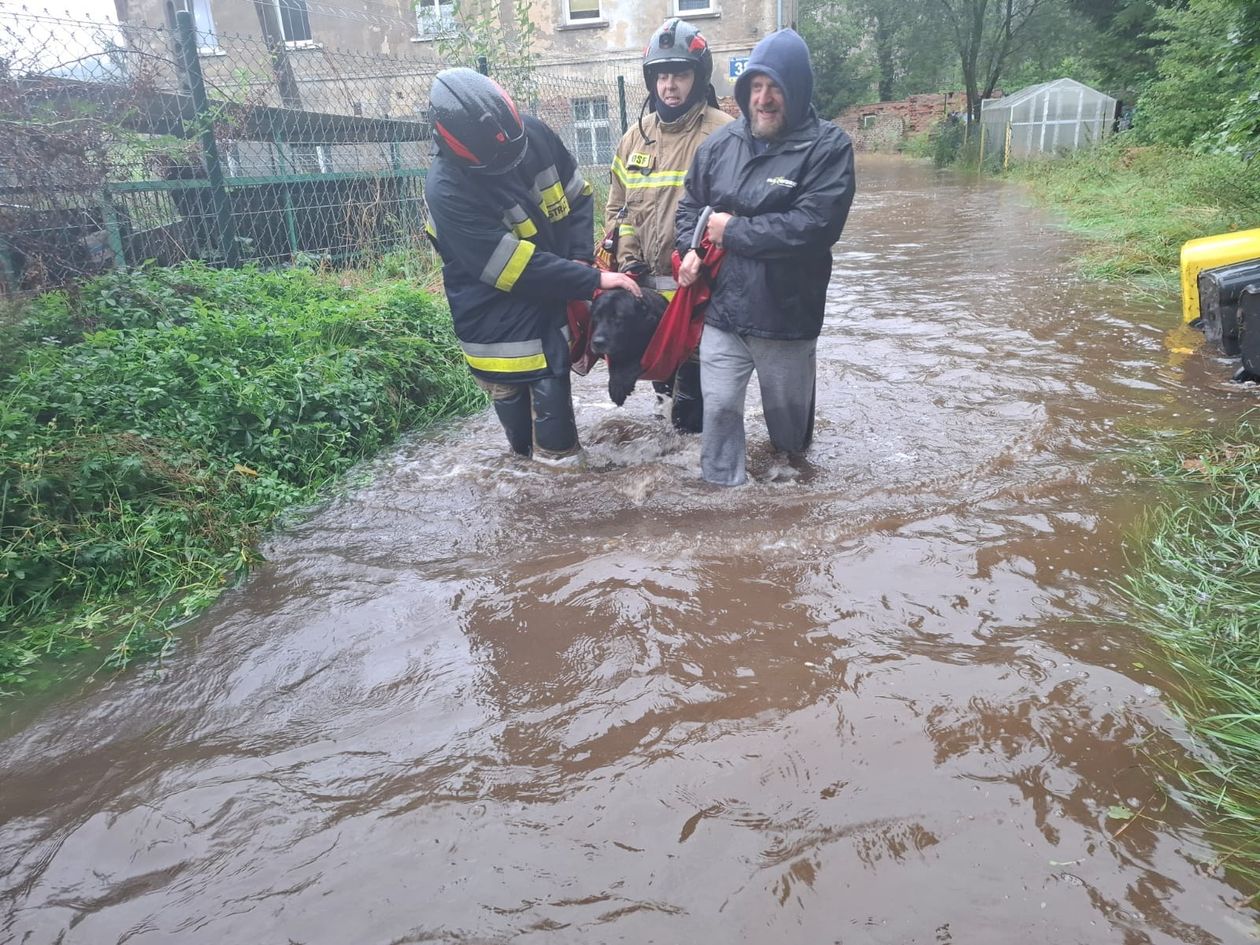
x=547 y=177
x=503 y=349
x=664 y=284
x=573 y=189
x=515 y=215
x=499 y=259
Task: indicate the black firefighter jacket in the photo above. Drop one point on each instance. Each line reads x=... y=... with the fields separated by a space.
x=790 y=205
x=508 y=244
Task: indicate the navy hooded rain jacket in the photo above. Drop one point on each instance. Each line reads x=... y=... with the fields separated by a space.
x=790 y=203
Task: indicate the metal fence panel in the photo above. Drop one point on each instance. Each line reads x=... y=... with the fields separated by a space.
x=127 y=143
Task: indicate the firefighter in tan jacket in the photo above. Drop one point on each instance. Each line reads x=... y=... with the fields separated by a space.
x=647 y=178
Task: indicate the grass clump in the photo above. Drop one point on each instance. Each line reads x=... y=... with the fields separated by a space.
x=1197 y=588
x=1138 y=205
x=154 y=423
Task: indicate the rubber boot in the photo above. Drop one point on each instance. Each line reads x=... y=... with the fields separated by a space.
x=555 y=429
x=688 y=413
x=513 y=412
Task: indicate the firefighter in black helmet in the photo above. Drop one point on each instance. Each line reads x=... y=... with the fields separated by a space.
x=512 y=219
x=647 y=179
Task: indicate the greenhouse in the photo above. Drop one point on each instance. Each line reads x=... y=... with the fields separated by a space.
x=1047 y=119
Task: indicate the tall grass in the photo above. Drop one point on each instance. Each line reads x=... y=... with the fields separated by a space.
x=153 y=424
x=1196 y=585
x=1137 y=206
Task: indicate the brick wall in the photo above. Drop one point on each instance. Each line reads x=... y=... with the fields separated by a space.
x=882 y=126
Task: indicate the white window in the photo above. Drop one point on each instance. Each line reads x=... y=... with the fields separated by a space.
x=592 y=134
x=582 y=11
x=683 y=7
x=203 y=20
x=295 y=24
x=435 y=18
x=870 y=121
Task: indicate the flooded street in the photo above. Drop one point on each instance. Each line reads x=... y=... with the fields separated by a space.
x=887 y=698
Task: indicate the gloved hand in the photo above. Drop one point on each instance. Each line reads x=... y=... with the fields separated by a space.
x=638 y=271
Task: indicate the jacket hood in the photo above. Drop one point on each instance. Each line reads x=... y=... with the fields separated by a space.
x=784 y=58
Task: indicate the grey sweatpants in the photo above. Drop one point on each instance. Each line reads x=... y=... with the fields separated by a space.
x=785 y=374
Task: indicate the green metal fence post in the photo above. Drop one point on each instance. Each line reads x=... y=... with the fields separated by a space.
x=109 y=216
x=190 y=68
x=8 y=270
x=621 y=103
x=286 y=171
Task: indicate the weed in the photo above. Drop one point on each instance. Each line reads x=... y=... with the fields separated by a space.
x=155 y=423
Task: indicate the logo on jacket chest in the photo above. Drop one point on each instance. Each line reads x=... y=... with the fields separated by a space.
x=781 y=182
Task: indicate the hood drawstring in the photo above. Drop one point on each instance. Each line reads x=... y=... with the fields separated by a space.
x=642 y=112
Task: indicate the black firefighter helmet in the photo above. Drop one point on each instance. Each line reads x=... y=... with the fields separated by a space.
x=677 y=45
x=475 y=122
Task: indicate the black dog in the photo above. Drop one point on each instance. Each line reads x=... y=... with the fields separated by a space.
x=621 y=327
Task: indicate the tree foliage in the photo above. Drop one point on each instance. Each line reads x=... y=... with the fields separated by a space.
x=1208 y=85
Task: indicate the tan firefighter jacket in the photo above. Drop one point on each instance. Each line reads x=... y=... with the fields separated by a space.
x=647 y=179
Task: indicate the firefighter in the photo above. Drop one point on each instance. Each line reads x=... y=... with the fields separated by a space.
x=647 y=177
x=512 y=219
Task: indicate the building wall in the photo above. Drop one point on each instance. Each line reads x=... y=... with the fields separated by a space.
x=615 y=40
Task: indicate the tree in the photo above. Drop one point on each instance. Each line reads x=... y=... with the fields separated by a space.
x=987 y=34
x=1207 y=94
x=844 y=74
x=508 y=51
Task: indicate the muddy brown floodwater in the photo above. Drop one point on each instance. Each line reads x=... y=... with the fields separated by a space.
x=886 y=698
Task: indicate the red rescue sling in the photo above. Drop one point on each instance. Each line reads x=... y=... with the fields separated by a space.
x=678 y=334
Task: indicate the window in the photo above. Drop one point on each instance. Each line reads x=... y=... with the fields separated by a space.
x=870 y=121
x=435 y=18
x=591 y=132
x=582 y=11
x=203 y=19
x=295 y=24
x=683 y=7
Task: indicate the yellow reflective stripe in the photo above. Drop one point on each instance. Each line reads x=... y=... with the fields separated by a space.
x=626 y=230
x=657 y=179
x=521 y=256
x=553 y=203
x=507 y=262
x=635 y=180
x=505 y=357
x=518 y=221
x=530 y=362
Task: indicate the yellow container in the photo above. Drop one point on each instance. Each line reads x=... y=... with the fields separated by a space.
x=1211 y=252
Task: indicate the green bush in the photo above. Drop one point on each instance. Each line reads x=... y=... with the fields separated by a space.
x=1138 y=205
x=154 y=423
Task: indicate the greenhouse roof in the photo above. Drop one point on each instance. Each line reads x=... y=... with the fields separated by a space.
x=1016 y=98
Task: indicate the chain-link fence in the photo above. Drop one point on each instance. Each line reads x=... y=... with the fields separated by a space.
x=122 y=143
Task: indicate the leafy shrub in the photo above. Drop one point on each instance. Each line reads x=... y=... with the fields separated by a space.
x=153 y=423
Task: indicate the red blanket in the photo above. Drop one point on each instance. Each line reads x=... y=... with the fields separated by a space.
x=678 y=334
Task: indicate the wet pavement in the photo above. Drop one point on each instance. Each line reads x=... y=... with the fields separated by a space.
x=887 y=697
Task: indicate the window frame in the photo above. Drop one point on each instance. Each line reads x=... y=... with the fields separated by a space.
x=710 y=8
x=435 y=27
x=300 y=6
x=203 y=22
x=589 y=127
x=571 y=20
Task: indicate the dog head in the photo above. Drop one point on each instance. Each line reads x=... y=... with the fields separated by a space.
x=621 y=328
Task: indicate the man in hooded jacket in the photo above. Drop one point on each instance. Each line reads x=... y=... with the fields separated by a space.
x=780 y=183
